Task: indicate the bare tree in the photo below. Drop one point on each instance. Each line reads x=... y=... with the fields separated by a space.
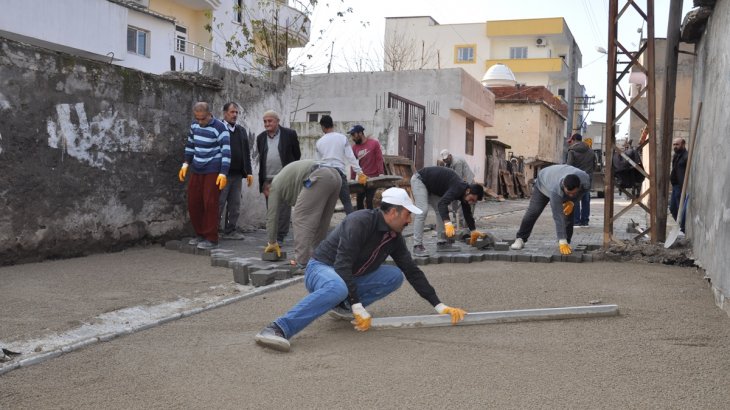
x=403 y=52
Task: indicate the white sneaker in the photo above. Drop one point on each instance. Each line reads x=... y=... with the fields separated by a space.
x=518 y=244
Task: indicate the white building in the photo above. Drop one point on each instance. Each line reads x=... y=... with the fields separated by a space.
x=157 y=36
x=414 y=114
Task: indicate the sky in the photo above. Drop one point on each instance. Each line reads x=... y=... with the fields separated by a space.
x=354 y=42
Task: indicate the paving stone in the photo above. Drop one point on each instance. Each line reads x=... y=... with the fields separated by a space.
x=575 y=257
x=523 y=257
x=483 y=243
x=504 y=257
x=587 y=257
x=240 y=273
x=501 y=246
x=173 y=245
x=205 y=252
x=282 y=274
x=185 y=248
x=460 y=258
x=221 y=261
x=476 y=257
x=446 y=258
x=541 y=259
x=421 y=260
x=271 y=256
x=557 y=257
x=488 y=256
x=262 y=277
x=434 y=260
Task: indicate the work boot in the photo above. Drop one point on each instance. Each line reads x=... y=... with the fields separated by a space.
x=446 y=247
x=517 y=244
x=420 y=250
x=233 y=235
x=273 y=337
x=206 y=244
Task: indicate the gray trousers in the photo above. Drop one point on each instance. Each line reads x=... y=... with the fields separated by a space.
x=424 y=200
x=344 y=194
x=313 y=212
x=538 y=201
x=230 y=200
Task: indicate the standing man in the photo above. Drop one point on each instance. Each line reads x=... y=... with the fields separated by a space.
x=347 y=274
x=581 y=156
x=676 y=176
x=277 y=147
x=461 y=167
x=314 y=189
x=230 y=198
x=333 y=150
x=370 y=155
x=439 y=187
x=209 y=152
x=561 y=186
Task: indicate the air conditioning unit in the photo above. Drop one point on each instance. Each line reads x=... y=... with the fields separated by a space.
x=541 y=41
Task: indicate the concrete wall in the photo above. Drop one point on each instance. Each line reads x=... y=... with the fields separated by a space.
x=708 y=212
x=358 y=97
x=89 y=152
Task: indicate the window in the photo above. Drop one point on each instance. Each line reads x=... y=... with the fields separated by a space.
x=316 y=116
x=561 y=92
x=181 y=38
x=238 y=11
x=518 y=52
x=138 y=41
x=464 y=54
x=469 y=149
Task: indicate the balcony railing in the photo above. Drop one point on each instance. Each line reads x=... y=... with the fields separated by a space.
x=285 y=20
x=191 y=56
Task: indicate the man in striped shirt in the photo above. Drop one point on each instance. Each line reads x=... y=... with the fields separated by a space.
x=208 y=150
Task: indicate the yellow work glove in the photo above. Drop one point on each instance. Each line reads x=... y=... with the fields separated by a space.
x=457 y=315
x=249 y=180
x=183 y=171
x=568 y=207
x=362 y=317
x=362 y=179
x=475 y=236
x=221 y=181
x=449 y=229
x=564 y=247
x=273 y=247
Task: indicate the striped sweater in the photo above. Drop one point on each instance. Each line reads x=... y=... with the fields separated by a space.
x=208 y=149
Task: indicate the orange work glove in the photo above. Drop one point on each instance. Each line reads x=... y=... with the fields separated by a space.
x=183 y=171
x=249 y=180
x=221 y=181
x=362 y=317
x=457 y=315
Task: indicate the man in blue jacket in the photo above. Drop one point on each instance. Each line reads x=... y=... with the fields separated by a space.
x=561 y=186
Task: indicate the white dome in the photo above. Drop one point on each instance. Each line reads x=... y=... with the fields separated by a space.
x=499 y=75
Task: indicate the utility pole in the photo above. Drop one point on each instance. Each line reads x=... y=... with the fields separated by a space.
x=664 y=144
x=329 y=65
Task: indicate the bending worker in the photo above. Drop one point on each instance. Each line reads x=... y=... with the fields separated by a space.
x=314 y=189
x=347 y=274
x=562 y=186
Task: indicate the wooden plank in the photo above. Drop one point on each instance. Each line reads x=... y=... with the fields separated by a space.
x=504 y=316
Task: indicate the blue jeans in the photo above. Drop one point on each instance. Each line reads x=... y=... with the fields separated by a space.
x=327 y=289
x=582 y=211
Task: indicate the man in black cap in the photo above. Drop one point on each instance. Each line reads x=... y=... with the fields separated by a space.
x=370 y=155
x=439 y=187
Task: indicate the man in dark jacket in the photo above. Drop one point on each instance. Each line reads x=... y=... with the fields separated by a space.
x=230 y=198
x=676 y=176
x=581 y=156
x=347 y=272
x=277 y=147
x=439 y=187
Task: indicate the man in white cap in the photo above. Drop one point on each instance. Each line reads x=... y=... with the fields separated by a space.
x=346 y=272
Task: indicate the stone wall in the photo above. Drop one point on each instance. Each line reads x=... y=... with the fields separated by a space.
x=708 y=210
x=89 y=152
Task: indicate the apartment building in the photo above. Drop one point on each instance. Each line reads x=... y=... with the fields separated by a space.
x=157 y=36
x=540 y=52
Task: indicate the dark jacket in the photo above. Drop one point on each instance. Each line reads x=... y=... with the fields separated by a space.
x=240 y=153
x=361 y=243
x=447 y=184
x=679 y=166
x=581 y=156
x=288 y=151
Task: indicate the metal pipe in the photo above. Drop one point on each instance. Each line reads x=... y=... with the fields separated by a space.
x=504 y=316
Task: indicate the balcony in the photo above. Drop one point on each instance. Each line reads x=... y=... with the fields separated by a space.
x=198 y=4
x=532 y=65
x=192 y=57
x=283 y=21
